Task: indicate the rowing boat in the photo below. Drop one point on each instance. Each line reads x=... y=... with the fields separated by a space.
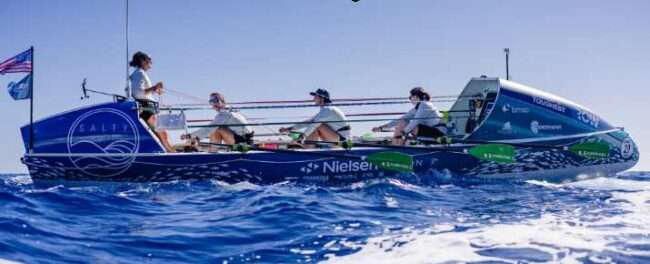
x=519 y=133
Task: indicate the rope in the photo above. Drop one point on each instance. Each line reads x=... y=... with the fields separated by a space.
x=186 y=95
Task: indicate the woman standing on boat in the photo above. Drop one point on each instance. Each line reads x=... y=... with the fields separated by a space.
x=423 y=120
x=234 y=130
x=143 y=92
x=327 y=125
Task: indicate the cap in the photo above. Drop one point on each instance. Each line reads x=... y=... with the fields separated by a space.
x=323 y=94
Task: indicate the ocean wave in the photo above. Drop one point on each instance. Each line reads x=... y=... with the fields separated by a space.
x=553 y=237
x=381 y=221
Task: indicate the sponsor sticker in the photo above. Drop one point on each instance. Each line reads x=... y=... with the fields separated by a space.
x=506 y=129
x=588 y=118
x=627 y=148
x=536 y=127
x=508 y=108
x=549 y=104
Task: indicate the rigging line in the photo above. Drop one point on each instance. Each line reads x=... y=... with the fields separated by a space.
x=311 y=122
x=301 y=117
x=171 y=107
x=264 y=127
x=265 y=118
x=188 y=96
x=340 y=100
x=309 y=101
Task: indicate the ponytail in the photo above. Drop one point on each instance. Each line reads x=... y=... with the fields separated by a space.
x=138 y=59
x=420 y=94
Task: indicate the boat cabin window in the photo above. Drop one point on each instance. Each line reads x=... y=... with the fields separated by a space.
x=479 y=108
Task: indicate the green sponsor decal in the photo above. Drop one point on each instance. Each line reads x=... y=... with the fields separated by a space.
x=591 y=150
x=295 y=135
x=393 y=161
x=500 y=153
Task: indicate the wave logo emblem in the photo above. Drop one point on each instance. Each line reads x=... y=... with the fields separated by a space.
x=108 y=137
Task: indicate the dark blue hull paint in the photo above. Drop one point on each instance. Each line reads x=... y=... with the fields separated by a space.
x=268 y=167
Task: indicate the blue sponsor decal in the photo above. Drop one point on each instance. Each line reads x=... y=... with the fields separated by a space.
x=581 y=115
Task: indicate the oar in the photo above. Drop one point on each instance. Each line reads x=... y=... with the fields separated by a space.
x=386 y=160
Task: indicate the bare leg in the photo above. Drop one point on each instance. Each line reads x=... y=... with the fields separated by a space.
x=311 y=137
x=398 y=132
x=215 y=138
x=164 y=138
x=226 y=135
x=322 y=133
x=162 y=135
x=152 y=121
x=326 y=133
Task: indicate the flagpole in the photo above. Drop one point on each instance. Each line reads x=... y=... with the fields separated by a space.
x=31 y=105
x=126 y=38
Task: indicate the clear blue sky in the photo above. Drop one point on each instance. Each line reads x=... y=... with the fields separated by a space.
x=596 y=53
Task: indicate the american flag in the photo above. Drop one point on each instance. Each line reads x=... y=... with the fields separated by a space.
x=19 y=63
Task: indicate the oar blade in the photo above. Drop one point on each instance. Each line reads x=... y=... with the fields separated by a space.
x=392 y=161
x=500 y=153
x=591 y=150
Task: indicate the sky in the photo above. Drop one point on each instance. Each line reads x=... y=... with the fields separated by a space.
x=596 y=53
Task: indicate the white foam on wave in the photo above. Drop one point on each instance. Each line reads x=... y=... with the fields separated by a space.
x=6 y=261
x=19 y=179
x=558 y=237
x=237 y=187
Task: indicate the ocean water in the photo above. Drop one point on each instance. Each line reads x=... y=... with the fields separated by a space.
x=599 y=220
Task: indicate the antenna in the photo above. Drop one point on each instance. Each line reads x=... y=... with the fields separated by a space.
x=126 y=31
x=507 y=51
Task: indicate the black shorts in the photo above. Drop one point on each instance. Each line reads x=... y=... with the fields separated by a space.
x=429 y=132
x=147 y=109
x=339 y=132
x=246 y=139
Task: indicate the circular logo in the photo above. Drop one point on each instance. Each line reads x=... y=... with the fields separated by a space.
x=627 y=148
x=103 y=141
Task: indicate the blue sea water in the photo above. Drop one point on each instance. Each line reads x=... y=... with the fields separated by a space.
x=599 y=220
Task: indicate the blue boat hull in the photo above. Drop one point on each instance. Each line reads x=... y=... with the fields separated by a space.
x=437 y=163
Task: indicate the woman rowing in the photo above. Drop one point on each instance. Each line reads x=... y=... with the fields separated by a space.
x=423 y=121
x=143 y=92
x=228 y=127
x=329 y=124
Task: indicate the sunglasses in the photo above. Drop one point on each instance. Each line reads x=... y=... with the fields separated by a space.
x=214 y=100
